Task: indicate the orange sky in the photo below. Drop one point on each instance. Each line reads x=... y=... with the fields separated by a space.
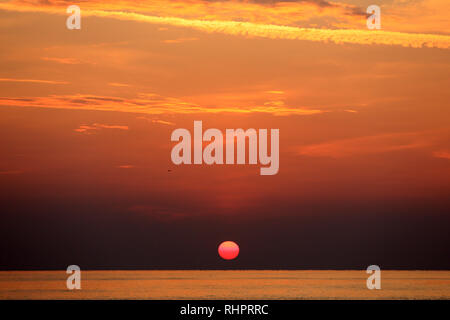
x=87 y=114
x=352 y=103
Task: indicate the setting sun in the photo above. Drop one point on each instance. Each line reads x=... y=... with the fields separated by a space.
x=228 y=250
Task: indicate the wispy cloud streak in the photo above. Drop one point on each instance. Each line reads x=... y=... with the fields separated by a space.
x=32 y=81
x=269 y=31
x=148 y=103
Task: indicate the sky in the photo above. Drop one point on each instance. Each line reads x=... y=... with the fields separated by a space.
x=86 y=116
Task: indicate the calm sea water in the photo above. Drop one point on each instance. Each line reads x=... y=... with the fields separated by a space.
x=225 y=285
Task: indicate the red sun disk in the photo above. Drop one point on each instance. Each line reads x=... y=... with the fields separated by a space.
x=228 y=250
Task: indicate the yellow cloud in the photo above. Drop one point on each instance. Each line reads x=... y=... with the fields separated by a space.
x=179 y=40
x=254 y=29
x=117 y=84
x=248 y=29
x=32 y=81
x=90 y=129
x=148 y=103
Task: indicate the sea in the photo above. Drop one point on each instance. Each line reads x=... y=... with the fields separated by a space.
x=225 y=284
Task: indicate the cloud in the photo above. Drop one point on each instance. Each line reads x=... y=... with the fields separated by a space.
x=117 y=84
x=257 y=11
x=367 y=145
x=107 y=126
x=263 y=21
x=159 y=121
x=146 y=103
x=91 y=129
x=168 y=123
x=179 y=40
x=428 y=15
x=275 y=92
x=125 y=166
x=444 y=154
x=62 y=60
x=248 y=29
x=32 y=81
